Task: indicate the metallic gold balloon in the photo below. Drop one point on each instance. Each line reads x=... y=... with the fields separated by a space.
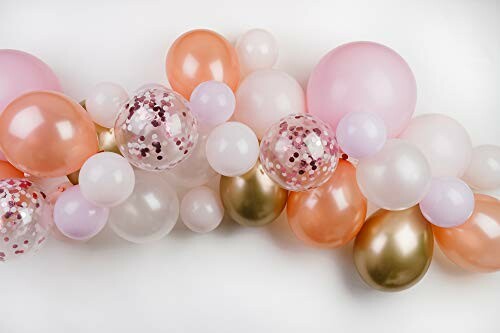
x=252 y=199
x=393 y=250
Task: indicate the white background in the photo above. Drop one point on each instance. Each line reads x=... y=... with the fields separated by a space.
x=250 y=280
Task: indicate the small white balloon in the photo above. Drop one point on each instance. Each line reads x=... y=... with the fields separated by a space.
x=232 y=149
x=106 y=179
x=104 y=103
x=395 y=178
x=257 y=49
x=483 y=172
x=201 y=209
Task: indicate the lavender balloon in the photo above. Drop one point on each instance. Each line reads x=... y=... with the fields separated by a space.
x=213 y=103
x=449 y=202
x=361 y=134
x=78 y=218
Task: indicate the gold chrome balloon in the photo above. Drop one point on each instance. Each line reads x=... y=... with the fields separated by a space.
x=252 y=199
x=393 y=250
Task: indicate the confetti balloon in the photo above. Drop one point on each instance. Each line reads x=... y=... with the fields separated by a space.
x=25 y=218
x=155 y=129
x=299 y=152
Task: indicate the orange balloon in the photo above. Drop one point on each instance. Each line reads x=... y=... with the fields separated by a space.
x=330 y=215
x=198 y=56
x=474 y=245
x=8 y=171
x=46 y=134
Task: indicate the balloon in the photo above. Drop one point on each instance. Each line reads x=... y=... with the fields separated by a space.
x=2 y=156
x=443 y=141
x=198 y=56
x=155 y=129
x=232 y=149
x=474 y=245
x=195 y=170
x=266 y=96
x=393 y=250
x=24 y=218
x=483 y=172
x=395 y=178
x=104 y=103
x=201 y=209
x=20 y=73
x=361 y=134
x=299 y=152
x=46 y=134
x=330 y=215
x=77 y=218
x=106 y=179
x=448 y=203
x=149 y=213
x=257 y=49
x=212 y=103
x=363 y=77
x=252 y=199
x=8 y=171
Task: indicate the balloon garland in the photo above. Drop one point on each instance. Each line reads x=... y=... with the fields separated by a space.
x=351 y=141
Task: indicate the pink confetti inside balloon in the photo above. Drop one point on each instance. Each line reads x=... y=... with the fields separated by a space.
x=155 y=129
x=25 y=218
x=299 y=152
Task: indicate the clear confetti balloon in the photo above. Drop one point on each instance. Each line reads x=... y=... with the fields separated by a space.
x=299 y=152
x=155 y=129
x=25 y=218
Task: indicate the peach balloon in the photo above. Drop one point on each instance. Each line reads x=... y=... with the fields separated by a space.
x=198 y=56
x=330 y=215
x=46 y=134
x=8 y=171
x=474 y=245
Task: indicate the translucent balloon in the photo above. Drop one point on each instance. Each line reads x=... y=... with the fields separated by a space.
x=443 y=141
x=155 y=129
x=232 y=149
x=212 y=103
x=483 y=172
x=104 y=103
x=395 y=178
x=257 y=49
x=266 y=96
x=201 y=209
x=149 y=213
x=299 y=152
x=106 y=179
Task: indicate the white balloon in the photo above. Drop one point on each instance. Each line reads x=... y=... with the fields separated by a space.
x=104 y=103
x=483 y=172
x=395 y=178
x=444 y=142
x=257 y=49
x=106 y=179
x=149 y=213
x=232 y=149
x=201 y=209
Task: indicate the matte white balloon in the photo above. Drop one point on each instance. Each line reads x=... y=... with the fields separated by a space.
x=444 y=142
x=257 y=49
x=106 y=179
x=395 y=178
x=483 y=172
x=232 y=149
x=149 y=213
x=104 y=103
x=201 y=209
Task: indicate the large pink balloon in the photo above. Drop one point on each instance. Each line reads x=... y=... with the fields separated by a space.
x=363 y=77
x=20 y=72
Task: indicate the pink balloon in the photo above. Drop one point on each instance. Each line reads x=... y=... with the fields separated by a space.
x=20 y=72
x=363 y=77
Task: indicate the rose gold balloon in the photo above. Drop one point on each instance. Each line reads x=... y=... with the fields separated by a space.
x=474 y=245
x=330 y=215
x=46 y=134
x=8 y=171
x=198 y=56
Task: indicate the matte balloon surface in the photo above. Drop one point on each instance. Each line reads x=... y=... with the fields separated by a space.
x=257 y=49
x=212 y=103
x=104 y=103
x=483 y=172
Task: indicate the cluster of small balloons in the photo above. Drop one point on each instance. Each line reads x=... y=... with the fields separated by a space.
x=323 y=155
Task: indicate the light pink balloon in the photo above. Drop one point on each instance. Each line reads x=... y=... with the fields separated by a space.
x=20 y=72
x=363 y=77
